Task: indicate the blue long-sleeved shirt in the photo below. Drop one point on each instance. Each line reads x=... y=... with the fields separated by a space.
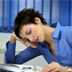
x=63 y=47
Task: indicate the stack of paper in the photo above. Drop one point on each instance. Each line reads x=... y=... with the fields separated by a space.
x=19 y=68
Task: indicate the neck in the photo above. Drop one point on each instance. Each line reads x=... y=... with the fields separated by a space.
x=48 y=34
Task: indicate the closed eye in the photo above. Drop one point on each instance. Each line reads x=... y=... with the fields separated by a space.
x=29 y=31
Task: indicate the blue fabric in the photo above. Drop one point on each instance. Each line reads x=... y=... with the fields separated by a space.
x=63 y=47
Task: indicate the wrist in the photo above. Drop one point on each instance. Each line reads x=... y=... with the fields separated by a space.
x=66 y=70
x=69 y=69
x=12 y=39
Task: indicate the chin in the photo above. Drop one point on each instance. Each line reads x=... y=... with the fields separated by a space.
x=42 y=41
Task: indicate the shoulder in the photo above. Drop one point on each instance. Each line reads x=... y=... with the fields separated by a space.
x=66 y=29
x=67 y=33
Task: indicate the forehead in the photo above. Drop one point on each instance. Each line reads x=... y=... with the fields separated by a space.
x=25 y=27
x=23 y=30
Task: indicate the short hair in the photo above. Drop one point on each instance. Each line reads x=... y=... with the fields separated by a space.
x=24 y=17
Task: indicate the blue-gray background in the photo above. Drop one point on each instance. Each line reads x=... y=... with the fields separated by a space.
x=51 y=10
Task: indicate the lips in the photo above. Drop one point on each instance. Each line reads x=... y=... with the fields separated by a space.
x=37 y=40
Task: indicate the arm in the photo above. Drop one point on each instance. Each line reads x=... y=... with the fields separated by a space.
x=55 y=67
x=69 y=38
x=22 y=57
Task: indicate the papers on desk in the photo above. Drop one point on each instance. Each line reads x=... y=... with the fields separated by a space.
x=19 y=68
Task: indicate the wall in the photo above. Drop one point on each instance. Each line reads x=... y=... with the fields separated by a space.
x=51 y=10
x=4 y=37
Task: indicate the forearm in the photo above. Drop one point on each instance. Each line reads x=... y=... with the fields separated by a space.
x=22 y=57
x=10 y=53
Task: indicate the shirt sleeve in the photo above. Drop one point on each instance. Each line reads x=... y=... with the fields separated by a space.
x=22 y=57
x=69 y=35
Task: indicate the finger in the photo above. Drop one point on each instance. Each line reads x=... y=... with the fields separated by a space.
x=31 y=44
x=55 y=70
x=24 y=42
x=50 y=66
x=35 y=43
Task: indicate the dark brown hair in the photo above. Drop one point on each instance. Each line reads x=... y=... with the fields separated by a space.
x=26 y=16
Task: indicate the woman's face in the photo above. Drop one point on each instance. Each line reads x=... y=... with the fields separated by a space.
x=32 y=32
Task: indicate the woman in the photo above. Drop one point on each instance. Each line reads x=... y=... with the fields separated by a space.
x=54 y=42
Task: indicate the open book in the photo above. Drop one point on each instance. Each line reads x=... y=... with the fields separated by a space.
x=19 y=68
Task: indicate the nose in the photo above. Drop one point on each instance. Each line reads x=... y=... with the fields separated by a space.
x=30 y=38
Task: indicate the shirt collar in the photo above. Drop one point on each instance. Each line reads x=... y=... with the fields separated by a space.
x=56 y=32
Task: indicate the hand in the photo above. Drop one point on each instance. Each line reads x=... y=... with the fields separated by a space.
x=54 y=67
x=14 y=38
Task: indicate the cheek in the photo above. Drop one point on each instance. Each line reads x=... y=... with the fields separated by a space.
x=34 y=31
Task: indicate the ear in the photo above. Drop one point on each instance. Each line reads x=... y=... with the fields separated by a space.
x=37 y=20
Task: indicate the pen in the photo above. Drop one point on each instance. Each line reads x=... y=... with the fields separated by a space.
x=26 y=68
